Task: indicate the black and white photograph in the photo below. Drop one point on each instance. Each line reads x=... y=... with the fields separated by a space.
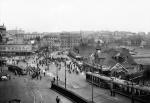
x=74 y=51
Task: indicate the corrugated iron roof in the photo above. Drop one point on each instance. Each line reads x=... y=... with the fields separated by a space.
x=108 y=55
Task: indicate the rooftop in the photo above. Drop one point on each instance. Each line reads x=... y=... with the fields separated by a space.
x=2 y=27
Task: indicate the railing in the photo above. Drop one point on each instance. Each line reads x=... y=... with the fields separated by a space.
x=69 y=94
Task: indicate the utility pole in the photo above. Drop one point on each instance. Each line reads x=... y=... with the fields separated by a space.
x=132 y=99
x=92 y=83
x=92 y=89
x=47 y=58
x=92 y=61
x=65 y=74
x=57 y=74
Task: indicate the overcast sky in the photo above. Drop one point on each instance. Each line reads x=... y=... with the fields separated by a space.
x=75 y=15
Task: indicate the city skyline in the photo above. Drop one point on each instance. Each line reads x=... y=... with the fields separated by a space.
x=75 y=15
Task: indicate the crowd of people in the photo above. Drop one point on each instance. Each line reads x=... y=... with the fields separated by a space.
x=73 y=67
x=36 y=65
x=33 y=64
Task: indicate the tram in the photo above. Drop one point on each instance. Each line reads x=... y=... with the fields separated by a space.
x=98 y=80
x=17 y=70
x=120 y=85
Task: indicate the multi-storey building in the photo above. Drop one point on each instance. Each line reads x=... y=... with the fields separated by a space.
x=29 y=35
x=12 y=49
x=52 y=41
x=23 y=38
x=15 y=49
x=16 y=31
x=2 y=34
x=69 y=40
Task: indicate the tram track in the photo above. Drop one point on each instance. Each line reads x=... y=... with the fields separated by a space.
x=127 y=93
x=34 y=90
x=105 y=96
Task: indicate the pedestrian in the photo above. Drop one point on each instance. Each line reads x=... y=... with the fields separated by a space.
x=44 y=72
x=54 y=79
x=40 y=77
x=57 y=99
x=37 y=75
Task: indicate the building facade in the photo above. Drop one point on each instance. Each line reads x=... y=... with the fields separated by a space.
x=52 y=41
x=2 y=34
x=15 y=49
x=23 y=38
x=69 y=40
x=29 y=35
x=16 y=31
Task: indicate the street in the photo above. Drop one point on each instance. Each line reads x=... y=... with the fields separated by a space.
x=28 y=91
x=77 y=83
x=16 y=88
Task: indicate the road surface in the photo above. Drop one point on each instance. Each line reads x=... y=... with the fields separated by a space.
x=77 y=83
x=28 y=90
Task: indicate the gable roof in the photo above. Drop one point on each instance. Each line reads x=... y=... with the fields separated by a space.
x=119 y=67
x=135 y=76
x=108 y=55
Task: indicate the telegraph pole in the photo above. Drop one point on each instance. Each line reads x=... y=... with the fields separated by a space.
x=57 y=73
x=47 y=58
x=92 y=83
x=132 y=98
x=92 y=89
x=65 y=74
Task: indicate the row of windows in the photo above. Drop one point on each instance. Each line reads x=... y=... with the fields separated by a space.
x=28 y=36
x=54 y=41
x=63 y=39
x=52 y=38
x=67 y=42
x=15 y=48
x=71 y=41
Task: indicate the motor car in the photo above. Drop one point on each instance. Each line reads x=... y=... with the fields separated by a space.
x=4 y=77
